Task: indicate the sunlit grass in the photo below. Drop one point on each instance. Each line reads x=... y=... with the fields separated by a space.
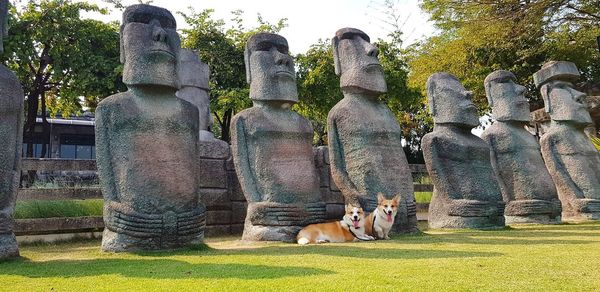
x=559 y=257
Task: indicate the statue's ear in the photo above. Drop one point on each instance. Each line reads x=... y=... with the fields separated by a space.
x=336 y=59
x=431 y=103
x=545 y=91
x=488 y=94
x=121 y=45
x=247 y=64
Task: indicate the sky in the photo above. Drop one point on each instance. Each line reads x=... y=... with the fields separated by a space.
x=308 y=20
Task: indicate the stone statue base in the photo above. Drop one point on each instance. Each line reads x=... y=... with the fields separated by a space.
x=127 y=230
x=119 y=242
x=267 y=221
x=473 y=214
x=577 y=210
x=8 y=246
x=532 y=212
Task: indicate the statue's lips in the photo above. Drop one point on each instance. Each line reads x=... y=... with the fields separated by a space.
x=285 y=74
x=374 y=66
x=163 y=52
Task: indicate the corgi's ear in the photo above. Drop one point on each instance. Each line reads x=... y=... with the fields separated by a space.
x=396 y=199
x=348 y=208
x=380 y=198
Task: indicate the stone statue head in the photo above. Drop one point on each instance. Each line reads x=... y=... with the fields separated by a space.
x=149 y=46
x=450 y=102
x=270 y=68
x=3 y=23
x=561 y=100
x=506 y=97
x=355 y=60
x=193 y=78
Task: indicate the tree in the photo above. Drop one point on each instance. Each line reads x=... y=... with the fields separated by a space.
x=222 y=48
x=479 y=37
x=60 y=58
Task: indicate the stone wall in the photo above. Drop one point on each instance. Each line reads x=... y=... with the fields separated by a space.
x=223 y=197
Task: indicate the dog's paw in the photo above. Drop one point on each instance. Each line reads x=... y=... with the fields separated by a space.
x=322 y=241
x=387 y=237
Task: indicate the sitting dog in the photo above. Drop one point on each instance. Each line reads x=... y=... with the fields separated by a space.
x=379 y=223
x=350 y=228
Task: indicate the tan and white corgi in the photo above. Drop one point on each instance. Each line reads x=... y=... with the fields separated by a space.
x=380 y=221
x=350 y=228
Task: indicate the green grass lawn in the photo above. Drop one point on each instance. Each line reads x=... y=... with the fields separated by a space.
x=423 y=197
x=48 y=209
x=560 y=257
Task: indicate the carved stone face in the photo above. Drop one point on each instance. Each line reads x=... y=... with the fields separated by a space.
x=270 y=68
x=450 y=102
x=3 y=23
x=356 y=62
x=149 y=46
x=564 y=103
x=506 y=97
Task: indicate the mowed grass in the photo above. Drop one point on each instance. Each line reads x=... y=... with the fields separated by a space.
x=530 y=258
x=423 y=197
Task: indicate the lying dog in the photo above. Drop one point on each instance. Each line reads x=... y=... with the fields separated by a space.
x=350 y=228
x=379 y=223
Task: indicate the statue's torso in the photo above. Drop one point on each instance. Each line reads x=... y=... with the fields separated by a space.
x=280 y=155
x=578 y=156
x=465 y=161
x=152 y=144
x=11 y=112
x=371 y=142
x=519 y=163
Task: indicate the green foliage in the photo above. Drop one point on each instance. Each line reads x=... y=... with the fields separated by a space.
x=596 y=142
x=478 y=38
x=545 y=258
x=57 y=54
x=222 y=48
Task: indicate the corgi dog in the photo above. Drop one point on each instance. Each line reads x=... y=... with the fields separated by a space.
x=350 y=228
x=380 y=221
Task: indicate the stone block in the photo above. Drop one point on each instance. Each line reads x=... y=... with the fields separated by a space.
x=334 y=197
x=214 y=149
x=212 y=173
x=335 y=211
x=218 y=217
x=332 y=184
x=217 y=230
x=235 y=190
x=238 y=212
x=229 y=164
x=215 y=199
x=237 y=229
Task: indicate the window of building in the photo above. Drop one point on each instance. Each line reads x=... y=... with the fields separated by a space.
x=37 y=146
x=77 y=147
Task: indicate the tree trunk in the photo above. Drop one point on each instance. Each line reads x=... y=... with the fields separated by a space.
x=45 y=127
x=32 y=109
x=226 y=123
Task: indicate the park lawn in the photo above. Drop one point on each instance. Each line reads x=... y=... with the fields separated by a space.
x=559 y=257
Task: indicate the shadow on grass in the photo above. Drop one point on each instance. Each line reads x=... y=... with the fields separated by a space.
x=152 y=269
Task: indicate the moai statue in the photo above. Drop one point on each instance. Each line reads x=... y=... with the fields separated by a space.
x=526 y=185
x=11 y=138
x=272 y=147
x=147 y=143
x=571 y=159
x=193 y=77
x=465 y=193
x=365 y=140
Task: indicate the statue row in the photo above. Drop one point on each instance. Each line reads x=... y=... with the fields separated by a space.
x=147 y=143
x=506 y=174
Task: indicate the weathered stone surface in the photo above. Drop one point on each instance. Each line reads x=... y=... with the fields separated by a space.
x=365 y=140
x=212 y=173
x=214 y=149
x=215 y=199
x=147 y=143
x=465 y=194
x=272 y=147
x=218 y=217
x=11 y=136
x=239 y=212
x=218 y=230
x=235 y=189
x=527 y=188
x=571 y=159
x=335 y=211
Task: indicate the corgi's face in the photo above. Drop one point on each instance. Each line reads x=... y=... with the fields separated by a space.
x=355 y=216
x=388 y=208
